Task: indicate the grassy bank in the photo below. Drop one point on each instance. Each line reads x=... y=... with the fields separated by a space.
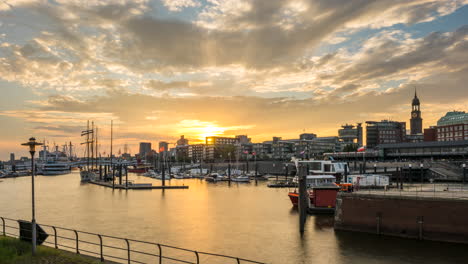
x=13 y=250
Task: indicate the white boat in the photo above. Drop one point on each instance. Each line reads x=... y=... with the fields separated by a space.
x=56 y=168
x=166 y=177
x=242 y=178
x=179 y=176
x=214 y=177
x=317 y=180
x=150 y=173
x=87 y=175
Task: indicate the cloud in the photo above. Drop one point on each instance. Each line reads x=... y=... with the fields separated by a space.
x=178 y=5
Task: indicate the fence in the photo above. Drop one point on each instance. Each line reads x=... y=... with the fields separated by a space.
x=119 y=249
x=435 y=190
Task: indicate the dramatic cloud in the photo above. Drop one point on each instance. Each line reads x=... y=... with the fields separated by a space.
x=161 y=68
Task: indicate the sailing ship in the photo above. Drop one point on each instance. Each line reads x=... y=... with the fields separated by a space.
x=87 y=173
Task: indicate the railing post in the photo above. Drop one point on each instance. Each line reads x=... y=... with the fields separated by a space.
x=198 y=258
x=128 y=250
x=3 y=226
x=160 y=254
x=77 y=248
x=238 y=260
x=101 y=248
x=55 y=236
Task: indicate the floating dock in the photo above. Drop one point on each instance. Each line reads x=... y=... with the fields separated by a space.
x=137 y=186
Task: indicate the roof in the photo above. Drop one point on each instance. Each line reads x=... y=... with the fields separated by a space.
x=462 y=143
x=453 y=118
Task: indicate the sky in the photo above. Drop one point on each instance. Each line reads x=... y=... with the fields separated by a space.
x=164 y=68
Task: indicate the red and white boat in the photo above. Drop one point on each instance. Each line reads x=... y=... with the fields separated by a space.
x=311 y=181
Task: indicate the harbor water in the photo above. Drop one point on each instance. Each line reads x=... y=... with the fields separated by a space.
x=246 y=220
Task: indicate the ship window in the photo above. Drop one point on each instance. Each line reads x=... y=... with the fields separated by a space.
x=327 y=167
x=315 y=166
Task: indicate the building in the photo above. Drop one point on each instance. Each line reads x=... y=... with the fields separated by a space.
x=416 y=120
x=145 y=148
x=282 y=149
x=434 y=149
x=182 y=152
x=222 y=140
x=196 y=152
x=453 y=127
x=430 y=134
x=385 y=132
x=182 y=141
x=12 y=158
x=349 y=134
x=244 y=139
x=163 y=146
x=307 y=136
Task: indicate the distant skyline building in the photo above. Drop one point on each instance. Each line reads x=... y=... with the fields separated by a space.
x=12 y=158
x=182 y=141
x=145 y=148
x=453 y=126
x=350 y=134
x=307 y=136
x=215 y=140
x=384 y=132
x=163 y=146
x=416 y=121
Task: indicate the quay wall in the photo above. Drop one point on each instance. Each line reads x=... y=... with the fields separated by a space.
x=438 y=219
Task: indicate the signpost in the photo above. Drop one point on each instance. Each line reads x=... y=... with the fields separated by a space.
x=26 y=232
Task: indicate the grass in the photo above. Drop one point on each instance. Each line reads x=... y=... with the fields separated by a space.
x=13 y=250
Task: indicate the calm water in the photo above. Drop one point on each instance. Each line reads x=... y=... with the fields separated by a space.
x=245 y=220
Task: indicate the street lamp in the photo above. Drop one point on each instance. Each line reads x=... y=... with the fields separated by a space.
x=32 y=150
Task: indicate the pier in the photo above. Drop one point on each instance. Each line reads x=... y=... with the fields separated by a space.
x=423 y=215
x=137 y=186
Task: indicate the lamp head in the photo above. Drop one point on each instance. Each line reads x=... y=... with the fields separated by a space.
x=32 y=144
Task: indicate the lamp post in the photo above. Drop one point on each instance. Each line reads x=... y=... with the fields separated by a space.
x=32 y=150
x=464 y=173
x=410 y=172
x=422 y=173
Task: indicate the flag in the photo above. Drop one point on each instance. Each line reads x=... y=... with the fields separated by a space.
x=254 y=153
x=302 y=152
x=246 y=152
x=161 y=149
x=361 y=149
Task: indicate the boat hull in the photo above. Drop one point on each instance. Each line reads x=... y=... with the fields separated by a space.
x=294 y=197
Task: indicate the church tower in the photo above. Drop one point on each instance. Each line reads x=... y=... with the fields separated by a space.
x=416 y=120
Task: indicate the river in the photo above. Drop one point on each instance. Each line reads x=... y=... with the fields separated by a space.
x=245 y=220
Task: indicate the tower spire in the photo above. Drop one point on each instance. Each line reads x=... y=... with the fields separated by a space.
x=415 y=93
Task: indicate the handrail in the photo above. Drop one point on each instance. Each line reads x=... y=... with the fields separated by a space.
x=65 y=241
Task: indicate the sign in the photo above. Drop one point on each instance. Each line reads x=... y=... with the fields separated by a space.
x=26 y=232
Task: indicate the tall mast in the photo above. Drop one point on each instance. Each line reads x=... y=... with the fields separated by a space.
x=87 y=145
x=96 y=148
x=112 y=131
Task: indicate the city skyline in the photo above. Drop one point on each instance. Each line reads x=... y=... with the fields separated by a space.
x=161 y=69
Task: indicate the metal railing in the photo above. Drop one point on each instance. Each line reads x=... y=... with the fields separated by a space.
x=105 y=247
x=424 y=190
